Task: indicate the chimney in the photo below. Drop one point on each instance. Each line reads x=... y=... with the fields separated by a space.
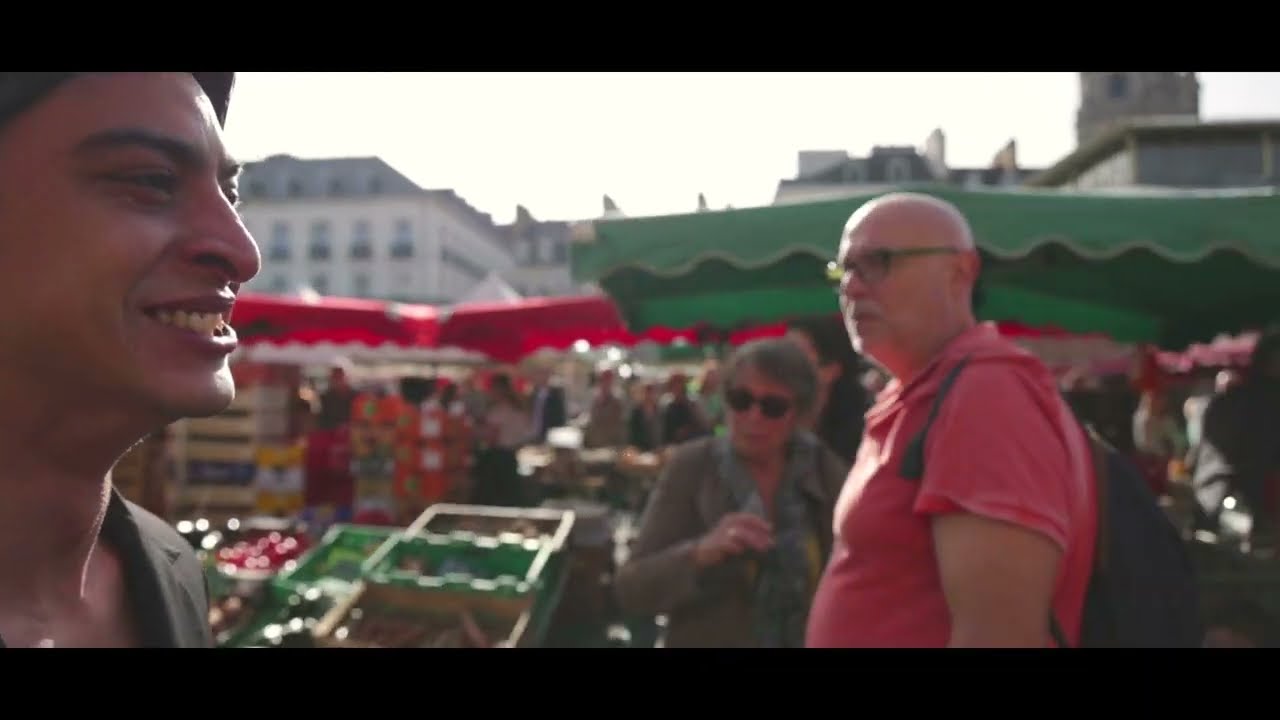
x=1007 y=158
x=611 y=208
x=523 y=217
x=702 y=203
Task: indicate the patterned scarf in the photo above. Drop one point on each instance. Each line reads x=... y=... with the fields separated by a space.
x=785 y=575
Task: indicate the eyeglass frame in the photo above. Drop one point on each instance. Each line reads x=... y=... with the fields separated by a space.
x=836 y=272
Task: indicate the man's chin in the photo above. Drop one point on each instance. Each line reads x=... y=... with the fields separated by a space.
x=199 y=397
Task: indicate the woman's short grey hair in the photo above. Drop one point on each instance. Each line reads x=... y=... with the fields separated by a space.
x=782 y=361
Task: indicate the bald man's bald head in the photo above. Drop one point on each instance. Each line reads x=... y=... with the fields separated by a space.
x=913 y=220
x=910 y=271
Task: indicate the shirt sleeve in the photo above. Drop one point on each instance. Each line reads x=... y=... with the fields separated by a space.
x=996 y=450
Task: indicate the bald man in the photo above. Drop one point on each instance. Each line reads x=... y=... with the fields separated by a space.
x=996 y=534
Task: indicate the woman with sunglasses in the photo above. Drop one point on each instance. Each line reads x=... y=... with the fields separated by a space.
x=738 y=528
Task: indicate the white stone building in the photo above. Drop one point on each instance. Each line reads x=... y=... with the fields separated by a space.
x=356 y=227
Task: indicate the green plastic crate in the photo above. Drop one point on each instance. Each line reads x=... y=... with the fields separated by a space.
x=449 y=562
x=275 y=609
x=338 y=559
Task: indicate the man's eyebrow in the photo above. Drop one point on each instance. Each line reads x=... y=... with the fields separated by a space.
x=179 y=151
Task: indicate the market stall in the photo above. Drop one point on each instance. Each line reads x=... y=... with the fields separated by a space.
x=1166 y=268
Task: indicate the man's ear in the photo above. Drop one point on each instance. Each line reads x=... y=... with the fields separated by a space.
x=969 y=274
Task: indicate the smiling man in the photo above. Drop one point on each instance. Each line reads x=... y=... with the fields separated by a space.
x=121 y=253
x=990 y=543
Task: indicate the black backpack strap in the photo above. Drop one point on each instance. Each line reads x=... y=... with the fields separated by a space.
x=913 y=458
x=912 y=468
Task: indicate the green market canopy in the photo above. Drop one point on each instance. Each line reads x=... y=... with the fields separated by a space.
x=1162 y=267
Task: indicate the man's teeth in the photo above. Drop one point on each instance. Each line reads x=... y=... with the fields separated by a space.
x=204 y=323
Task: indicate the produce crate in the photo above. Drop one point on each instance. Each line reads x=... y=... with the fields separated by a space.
x=338 y=561
x=546 y=526
x=423 y=618
x=443 y=561
x=282 y=620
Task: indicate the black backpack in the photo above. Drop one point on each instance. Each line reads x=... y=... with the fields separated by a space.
x=1143 y=591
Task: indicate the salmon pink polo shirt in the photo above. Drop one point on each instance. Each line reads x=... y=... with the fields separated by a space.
x=1004 y=445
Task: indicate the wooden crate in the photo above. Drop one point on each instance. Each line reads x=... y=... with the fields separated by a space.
x=239 y=451
x=258 y=426
x=512 y=614
x=214 y=501
x=262 y=398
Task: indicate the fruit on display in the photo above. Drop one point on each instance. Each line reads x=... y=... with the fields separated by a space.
x=261 y=551
x=290 y=623
x=293 y=633
x=230 y=614
x=294 y=625
x=390 y=628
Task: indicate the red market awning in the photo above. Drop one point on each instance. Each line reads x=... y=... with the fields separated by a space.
x=279 y=320
x=508 y=331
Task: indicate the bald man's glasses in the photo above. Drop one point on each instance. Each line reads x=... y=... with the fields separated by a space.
x=873 y=266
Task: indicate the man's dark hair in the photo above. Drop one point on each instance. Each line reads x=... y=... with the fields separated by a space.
x=21 y=90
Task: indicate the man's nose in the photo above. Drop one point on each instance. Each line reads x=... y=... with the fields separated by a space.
x=222 y=244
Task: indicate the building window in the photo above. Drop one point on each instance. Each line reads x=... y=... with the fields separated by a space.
x=295 y=188
x=360 y=284
x=335 y=187
x=279 y=242
x=319 y=249
x=1117 y=85
x=404 y=230
x=559 y=252
x=361 y=250
x=320 y=283
x=899 y=170
x=401 y=249
x=257 y=188
x=375 y=185
x=535 y=254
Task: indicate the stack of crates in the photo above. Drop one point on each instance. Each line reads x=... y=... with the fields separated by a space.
x=433 y=456
x=280 y=482
x=216 y=458
x=374 y=424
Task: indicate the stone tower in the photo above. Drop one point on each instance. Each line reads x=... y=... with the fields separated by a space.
x=1108 y=97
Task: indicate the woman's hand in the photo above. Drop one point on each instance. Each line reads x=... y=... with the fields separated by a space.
x=734 y=534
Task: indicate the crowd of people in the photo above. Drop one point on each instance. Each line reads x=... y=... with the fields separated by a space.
x=958 y=508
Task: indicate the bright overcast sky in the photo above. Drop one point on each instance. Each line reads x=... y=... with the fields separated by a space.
x=556 y=143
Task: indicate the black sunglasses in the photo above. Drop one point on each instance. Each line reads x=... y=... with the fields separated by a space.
x=773 y=406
